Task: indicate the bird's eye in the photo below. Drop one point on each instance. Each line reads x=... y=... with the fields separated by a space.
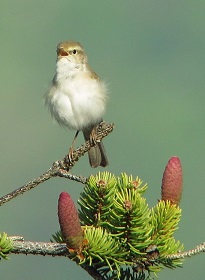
x=74 y=51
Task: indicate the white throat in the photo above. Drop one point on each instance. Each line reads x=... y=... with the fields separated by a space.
x=68 y=68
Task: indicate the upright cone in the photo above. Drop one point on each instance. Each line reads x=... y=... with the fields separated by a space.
x=172 y=181
x=69 y=222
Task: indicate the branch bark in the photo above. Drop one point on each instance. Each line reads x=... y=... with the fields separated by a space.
x=182 y=255
x=48 y=249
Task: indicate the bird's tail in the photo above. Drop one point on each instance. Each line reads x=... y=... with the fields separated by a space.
x=97 y=155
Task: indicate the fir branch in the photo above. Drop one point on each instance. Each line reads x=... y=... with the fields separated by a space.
x=60 y=249
x=62 y=167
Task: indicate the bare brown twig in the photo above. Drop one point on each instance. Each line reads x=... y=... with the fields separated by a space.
x=61 y=168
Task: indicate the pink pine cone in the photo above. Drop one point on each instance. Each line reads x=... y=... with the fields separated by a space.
x=172 y=181
x=69 y=222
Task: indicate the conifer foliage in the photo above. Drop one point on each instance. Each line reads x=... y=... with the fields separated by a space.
x=122 y=237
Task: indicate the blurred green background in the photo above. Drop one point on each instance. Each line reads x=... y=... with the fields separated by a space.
x=151 y=54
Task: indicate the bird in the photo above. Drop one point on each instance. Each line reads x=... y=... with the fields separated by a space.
x=77 y=98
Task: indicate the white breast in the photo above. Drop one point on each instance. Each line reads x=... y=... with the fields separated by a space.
x=77 y=102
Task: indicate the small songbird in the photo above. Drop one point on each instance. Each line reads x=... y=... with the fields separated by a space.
x=77 y=97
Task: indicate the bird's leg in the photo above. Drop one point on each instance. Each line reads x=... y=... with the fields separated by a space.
x=70 y=153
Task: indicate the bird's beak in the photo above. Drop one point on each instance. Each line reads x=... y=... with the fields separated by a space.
x=62 y=52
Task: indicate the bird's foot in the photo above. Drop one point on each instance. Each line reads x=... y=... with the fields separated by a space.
x=93 y=136
x=71 y=154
